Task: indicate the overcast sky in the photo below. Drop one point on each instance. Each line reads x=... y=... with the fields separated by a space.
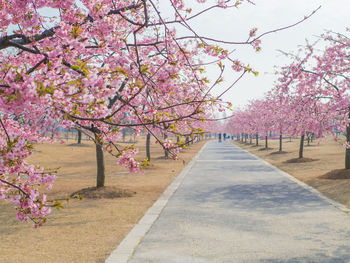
x=266 y=15
x=235 y=24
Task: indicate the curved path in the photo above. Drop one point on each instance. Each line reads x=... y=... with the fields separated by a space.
x=234 y=207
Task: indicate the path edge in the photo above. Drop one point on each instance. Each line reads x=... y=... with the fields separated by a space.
x=126 y=248
x=311 y=189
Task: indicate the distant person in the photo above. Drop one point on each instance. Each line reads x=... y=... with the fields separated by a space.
x=219 y=137
x=224 y=136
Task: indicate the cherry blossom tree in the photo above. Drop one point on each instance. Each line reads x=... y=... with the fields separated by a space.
x=330 y=75
x=310 y=96
x=101 y=66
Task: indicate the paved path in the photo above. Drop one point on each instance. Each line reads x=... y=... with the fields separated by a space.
x=233 y=207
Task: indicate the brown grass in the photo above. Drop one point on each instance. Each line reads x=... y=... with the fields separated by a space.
x=265 y=149
x=339 y=174
x=109 y=192
x=301 y=160
x=279 y=152
x=327 y=165
x=87 y=230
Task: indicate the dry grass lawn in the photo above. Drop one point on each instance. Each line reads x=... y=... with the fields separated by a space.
x=86 y=230
x=319 y=172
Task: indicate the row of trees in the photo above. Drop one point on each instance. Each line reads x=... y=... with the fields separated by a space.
x=100 y=66
x=311 y=97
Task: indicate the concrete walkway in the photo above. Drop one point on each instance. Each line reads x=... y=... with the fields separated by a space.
x=233 y=207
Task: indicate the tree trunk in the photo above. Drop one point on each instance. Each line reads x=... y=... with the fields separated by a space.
x=79 y=136
x=148 y=147
x=266 y=144
x=124 y=134
x=280 y=142
x=166 y=152
x=100 y=163
x=301 y=147
x=250 y=139
x=347 y=151
x=257 y=139
x=308 y=138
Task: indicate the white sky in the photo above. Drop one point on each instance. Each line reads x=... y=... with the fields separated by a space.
x=266 y=15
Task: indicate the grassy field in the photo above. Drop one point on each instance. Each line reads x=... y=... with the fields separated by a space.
x=325 y=172
x=87 y=230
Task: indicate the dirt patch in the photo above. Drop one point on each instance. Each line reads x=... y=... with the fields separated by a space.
x=301 y=160
x=164 y=158
x=108 y=192
x=265 y=149
x=80 y=145
x=279 y=152
x=339 y=174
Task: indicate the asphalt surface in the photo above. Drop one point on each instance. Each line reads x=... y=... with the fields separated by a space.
x=233 y=207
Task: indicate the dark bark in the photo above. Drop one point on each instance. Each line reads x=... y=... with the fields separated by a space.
x=301 y=147
x=166 y=152
x=148 y=147
x=257 y=139
x=280 y=149
x=79 y=136
x=251 y=139
x=347 y=151
x=266 y=143
x=124 y=134
x=100 y=163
